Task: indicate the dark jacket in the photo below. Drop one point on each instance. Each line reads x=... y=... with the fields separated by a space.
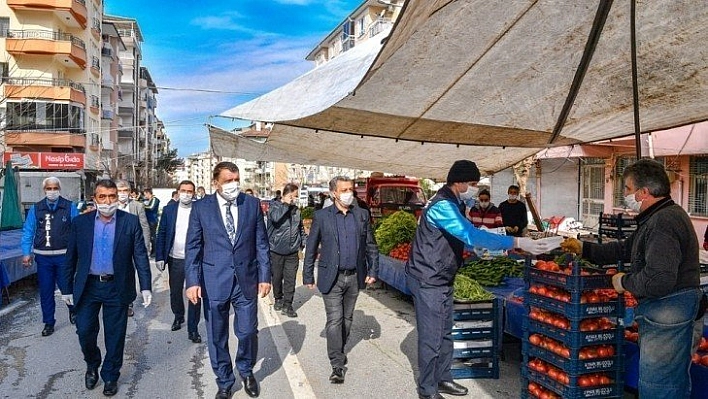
x=324 y=231
x=286 y=234
x=436 y=254
x=129 y=255
x=59 y=222
x=663 y=252
x=165 y=238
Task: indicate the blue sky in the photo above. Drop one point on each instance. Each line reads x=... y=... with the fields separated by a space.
x=243 y=47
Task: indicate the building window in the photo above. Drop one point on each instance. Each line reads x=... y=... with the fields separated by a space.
x=4 y=26
x=4 y=71
x=44 y=116
x=620 y=166
x=698 y=188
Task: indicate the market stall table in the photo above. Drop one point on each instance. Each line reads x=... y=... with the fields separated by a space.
x=11 y=268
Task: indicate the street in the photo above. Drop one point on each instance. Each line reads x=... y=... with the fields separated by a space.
x=293 y=363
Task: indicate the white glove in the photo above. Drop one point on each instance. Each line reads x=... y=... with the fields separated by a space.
x=160 y=264
x=538 y=246
x=68 y=299
x=147 y=297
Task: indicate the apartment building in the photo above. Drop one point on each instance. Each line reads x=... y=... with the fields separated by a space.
x=111 y=95
x=51 y=75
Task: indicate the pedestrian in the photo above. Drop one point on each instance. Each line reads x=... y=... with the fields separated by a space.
x=484 y=213
x=514 y=213
x=170 y=242
x=286 y=235
x=152 y=207
x=349 y=261
x=126 y=204
x=250 y=192
x=227 y=264
x=174 y=198
x=664 y=278
x=105 y=249
x=201 y=192
x=45 y=235
x=436 y=255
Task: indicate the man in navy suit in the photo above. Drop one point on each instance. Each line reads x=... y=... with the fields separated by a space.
x=227 y=264
x=170 y=252
x=105 y=249
x=349 y=261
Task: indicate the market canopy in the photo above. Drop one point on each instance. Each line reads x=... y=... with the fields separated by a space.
x=498 y=73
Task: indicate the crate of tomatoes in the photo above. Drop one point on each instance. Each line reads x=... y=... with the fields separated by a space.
x=572 y=385
x=572 y=332
x=574 y=304
x=575 y=274
x=585 y=359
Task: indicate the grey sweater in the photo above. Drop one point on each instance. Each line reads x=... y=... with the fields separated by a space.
x=663 y=252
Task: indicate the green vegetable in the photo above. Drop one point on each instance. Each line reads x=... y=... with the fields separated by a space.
x=396 y=229
x=307 y=212
x=467 y=289
x=491 y=272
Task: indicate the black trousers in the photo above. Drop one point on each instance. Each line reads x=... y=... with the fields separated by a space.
x=177 y=298
x=339 y=307
x=284 y=270
x=98 y=295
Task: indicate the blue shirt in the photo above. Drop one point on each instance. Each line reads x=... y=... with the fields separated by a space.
x=444 y=215
x=347 y=237
x=104 y=234
x=31 y=225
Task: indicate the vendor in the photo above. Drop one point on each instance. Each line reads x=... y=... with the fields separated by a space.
x=664 y=278
x=436 y=254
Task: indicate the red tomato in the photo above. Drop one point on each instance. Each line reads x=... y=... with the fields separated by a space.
x=611 y=271
x=535 y=339
x=583 y=381
x=704 y=360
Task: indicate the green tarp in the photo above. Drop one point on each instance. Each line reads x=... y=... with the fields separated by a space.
x=11 y=217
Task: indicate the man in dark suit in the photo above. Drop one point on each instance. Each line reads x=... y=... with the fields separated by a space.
x=170 y=241
x=105 y=249
x=227 y=264
x=349 y=261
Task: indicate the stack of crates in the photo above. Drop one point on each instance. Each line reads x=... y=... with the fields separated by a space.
x=572 y=346
x=475 y=334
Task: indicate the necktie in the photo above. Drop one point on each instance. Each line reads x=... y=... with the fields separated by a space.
x=230 y=223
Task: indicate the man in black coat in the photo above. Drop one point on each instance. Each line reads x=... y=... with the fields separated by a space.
x=349 y=260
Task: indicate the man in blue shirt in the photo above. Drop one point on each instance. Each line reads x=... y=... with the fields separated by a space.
x=436 y=254
x=45 y=234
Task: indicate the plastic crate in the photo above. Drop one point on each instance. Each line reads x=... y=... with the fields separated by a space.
x=568 y=282
x=699 y=381
x=474 y=329
x=486 y=310
x=613 y=390
x=468 y=353
x=575 y=365
x=577 y=309
x=476 y=368
x=574 y=339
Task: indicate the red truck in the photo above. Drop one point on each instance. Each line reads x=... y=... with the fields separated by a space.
x=387 y=194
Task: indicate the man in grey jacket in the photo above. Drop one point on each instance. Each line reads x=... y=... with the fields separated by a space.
x=128 y=205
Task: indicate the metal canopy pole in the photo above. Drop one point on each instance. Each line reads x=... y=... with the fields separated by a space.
x=635 y=86
x=598 y=24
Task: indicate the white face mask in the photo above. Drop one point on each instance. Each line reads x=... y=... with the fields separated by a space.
x=185 y=198
x=107 y=210
x=632 y=202
x=123 y=197
x=469 y=194
x=483 y=204
x=346 y=198
x=230 y=190
x=513 y=197
x=52 y=195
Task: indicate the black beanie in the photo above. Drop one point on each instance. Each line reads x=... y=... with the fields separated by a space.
x=463 y=171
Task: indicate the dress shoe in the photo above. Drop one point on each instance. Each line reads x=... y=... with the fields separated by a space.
x=131 y=312
x=195 y=337
x=91 y=378
x=177 y=324
x=48 y=330
x=278 y=304
x=288 y=311
x=433 y=396
x=250 y=385
x=337 y=376
x=72 y=317
x=452 y=388
x=110 y=388
x=223 y=393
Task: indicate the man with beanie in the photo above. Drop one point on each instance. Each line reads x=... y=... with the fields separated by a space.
x=436 y=254
x=45 y=234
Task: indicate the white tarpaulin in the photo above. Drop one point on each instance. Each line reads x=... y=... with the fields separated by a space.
x=495 y=73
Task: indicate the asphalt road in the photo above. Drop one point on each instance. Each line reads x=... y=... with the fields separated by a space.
x=292 y=363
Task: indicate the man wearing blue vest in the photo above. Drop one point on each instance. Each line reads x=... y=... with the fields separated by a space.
x=46 y=234
x=442 y=234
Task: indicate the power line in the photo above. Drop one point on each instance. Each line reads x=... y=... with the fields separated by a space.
x=246 y=93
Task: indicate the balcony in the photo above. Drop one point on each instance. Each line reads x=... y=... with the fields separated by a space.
x=95 y=105
x=51 y=89
x=107 y=81
x=96 y=29
x=107 y=52
x=63 y=47
x=72 y=12
x=96 y=66
x=107 y=114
